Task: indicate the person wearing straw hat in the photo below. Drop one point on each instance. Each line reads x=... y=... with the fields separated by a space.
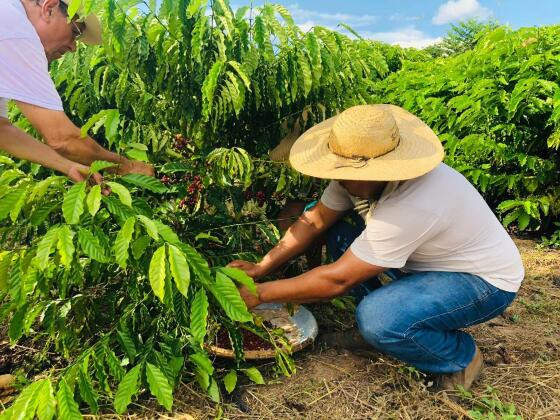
x=32 y=34
x=428 y=259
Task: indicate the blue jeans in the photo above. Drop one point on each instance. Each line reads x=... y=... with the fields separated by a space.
x=417 y=317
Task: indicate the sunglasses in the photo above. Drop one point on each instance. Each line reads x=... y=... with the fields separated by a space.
x=77 y=31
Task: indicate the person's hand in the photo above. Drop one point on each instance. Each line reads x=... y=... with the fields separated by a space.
x=251 y=269
x=250 y=299
x=135 y=167
x=78 y=173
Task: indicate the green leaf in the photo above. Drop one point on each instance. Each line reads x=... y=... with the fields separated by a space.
x=114 y=364
x=240 y=277
x=159 y=386
x=128 y=343
x=199 y=316
x=151 y=228
x=87 y=391
x=202 y=361
x=73 y=204
x=202 y=378
x=179 y=270
x=66 y=245
x=94 y=200
x=523 y=221
x=209 y=87
x=100 y=165
x=117 y=208
x=227 y=295
x=167 y=233
x=11 y=200
x=197 y=263
x=67 y=408
x=230 y=381
x=112 y=126
x=91 y=247
x=73 y=8
x=214 y=391
x=18 y=204
x=42 y=212
x=109 y=118
x=122 y=192
x=139 y=246
x=5 y=262
x=147 y=182
x=40 y=189
x=15 y=330
x=45 y=401
x=45 y=247
x=128 y=387
x=122 y=242
x=26 y=403
x=157 y=272
x=194 y=6
x=254 y=375
x=237 y=67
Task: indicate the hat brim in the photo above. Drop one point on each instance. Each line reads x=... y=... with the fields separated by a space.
x=93 y=34
x=418 y=152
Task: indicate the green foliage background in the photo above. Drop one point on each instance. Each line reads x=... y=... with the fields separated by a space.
x=497 y=110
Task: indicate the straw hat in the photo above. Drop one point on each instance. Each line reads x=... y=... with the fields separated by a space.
x=92 y=35
x=368 y=143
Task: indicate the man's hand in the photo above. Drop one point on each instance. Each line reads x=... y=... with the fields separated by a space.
x=250 y=299
x=251 y=269
x=135 y=167
x=78 y=173
x=66 y=139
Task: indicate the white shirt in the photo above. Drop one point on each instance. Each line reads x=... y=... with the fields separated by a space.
x=24 y=71
x=437 y=222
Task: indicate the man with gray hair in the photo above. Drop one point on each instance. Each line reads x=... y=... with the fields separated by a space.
x=32 y=34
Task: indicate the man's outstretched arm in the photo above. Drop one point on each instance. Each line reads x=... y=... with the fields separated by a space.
x=65 y=138
x=296 y=240
x=321 y=283
x=20 y=145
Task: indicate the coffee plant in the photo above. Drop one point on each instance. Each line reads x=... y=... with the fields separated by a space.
x=128 y=288
x=497 y=110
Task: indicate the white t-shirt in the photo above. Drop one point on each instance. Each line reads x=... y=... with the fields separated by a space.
x=24 y=70
x=437 y=222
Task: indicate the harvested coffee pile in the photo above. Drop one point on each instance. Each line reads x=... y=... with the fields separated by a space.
x=251 y=341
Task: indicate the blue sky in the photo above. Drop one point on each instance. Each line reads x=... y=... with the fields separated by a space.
x=415 y=23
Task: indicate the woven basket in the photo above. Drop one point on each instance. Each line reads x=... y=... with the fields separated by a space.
x=255 y=354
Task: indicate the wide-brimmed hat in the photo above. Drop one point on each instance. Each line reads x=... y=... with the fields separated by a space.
x=368 y=143
x=92 y=34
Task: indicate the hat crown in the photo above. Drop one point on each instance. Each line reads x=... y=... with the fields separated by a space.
x=364 y=131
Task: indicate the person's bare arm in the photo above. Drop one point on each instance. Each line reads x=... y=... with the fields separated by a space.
x=65 y=138
x=21 y=145
x=296 y=240
x=321 y=283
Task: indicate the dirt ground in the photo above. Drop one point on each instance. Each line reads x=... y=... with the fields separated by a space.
x=521 y=350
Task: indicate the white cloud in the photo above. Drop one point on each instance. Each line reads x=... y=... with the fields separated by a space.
x=408 y=37
x=455 y=10
x=301 y=15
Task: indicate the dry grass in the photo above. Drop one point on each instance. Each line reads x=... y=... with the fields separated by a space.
x=521 y=348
